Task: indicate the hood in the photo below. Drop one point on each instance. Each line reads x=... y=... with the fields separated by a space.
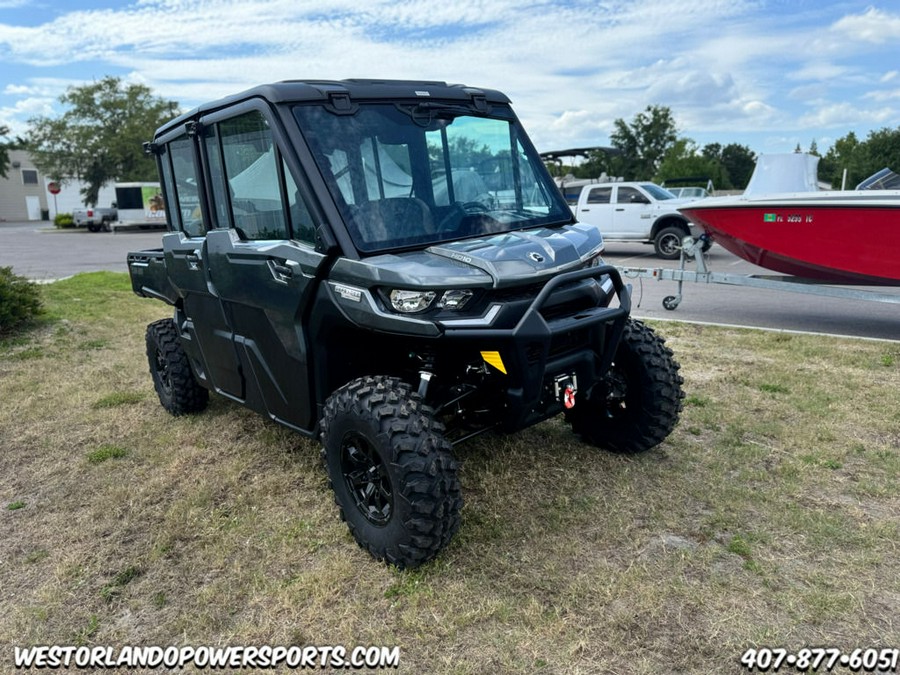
x=512 y=257
x=500 y=260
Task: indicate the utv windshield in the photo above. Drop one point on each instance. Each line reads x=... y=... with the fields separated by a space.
x=417 y=174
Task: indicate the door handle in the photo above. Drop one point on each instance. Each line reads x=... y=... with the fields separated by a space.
x=585 y=210
x=283 y=270
x=620 y=209
x=193 y=261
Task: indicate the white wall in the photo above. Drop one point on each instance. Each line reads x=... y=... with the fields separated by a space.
x=69 y=197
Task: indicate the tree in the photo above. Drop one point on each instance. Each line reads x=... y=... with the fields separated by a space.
x=99 y=138
x=684 y=160
x=4 y=153
x=882 y=149
x=739 y=162
x=643 y=143
x=595 y=165
x=860 y=159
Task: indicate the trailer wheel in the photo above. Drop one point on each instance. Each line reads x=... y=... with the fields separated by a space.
x=178 y=390
x=671 y=302
x=667 y=242
x=636 y=405
x=393 y=475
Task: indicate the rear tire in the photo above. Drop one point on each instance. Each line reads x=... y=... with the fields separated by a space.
x=393 y=475
x=667 y=242
x=178 y=390
x=636 y=405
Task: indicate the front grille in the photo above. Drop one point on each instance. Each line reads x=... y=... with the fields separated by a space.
x=566 y=343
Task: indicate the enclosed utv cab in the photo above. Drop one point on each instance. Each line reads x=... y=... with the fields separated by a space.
x=388 y=266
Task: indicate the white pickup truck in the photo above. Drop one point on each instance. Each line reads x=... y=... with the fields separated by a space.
x=94 y=218
x=639 y=211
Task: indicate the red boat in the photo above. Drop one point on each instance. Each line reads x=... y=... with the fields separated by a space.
x=835 y=236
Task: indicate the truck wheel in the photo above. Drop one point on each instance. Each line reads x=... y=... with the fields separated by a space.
x=636 y=406
x=668 y=242
x=393 y=475
x=178 y=391
x=93 y=227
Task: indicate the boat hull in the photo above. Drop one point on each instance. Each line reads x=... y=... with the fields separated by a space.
x=837 y=237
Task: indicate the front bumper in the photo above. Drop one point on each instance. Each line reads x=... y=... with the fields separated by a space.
x=548 y=343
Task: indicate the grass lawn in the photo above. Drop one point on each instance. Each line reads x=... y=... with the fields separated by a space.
x=769 y=517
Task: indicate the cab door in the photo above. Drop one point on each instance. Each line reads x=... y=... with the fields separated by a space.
x=594 y=208
x=206 y=334
x=631 y=213
x=263 y=264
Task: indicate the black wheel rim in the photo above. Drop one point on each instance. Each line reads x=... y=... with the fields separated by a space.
x=367 y=479
x=162 y=372
x=616 y=393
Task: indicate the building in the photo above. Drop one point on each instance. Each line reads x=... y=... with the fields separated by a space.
x=24 y=194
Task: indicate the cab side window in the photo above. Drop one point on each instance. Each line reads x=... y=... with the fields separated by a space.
x=301 y=219
x=217 y=178
x=253 y=177
x=628 y=195
x=168 y=188
x=182 y=187
x=599 y=195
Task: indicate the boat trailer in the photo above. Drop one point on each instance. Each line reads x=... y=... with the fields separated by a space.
x=694 y=249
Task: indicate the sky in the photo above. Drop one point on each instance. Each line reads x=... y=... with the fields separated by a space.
x=768 y=74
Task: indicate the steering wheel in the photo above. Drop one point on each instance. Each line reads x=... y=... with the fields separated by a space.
x=473 y=207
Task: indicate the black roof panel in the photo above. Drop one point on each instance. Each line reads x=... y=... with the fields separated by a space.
x=356 y=89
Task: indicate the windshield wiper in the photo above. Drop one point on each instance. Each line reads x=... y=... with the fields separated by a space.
x=424 y=112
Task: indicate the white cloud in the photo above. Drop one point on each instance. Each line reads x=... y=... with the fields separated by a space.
x=16 y=116
x=844 y=114
x=884 y=95
x=873 y=26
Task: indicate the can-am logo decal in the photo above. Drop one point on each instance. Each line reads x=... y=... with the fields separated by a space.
x=537 y=257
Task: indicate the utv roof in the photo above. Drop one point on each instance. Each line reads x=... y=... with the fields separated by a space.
x=346 y=91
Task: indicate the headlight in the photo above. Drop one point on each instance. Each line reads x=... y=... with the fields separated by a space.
x=454 y=299
x=410 y=302
x=596 y=261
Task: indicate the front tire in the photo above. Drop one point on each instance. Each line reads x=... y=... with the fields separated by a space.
x=636 y=405
x=393 y=475
x=178 y=390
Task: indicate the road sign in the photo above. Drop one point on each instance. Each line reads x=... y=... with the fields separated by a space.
x=53 y=188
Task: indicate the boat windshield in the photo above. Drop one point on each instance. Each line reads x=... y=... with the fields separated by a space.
x=418 y=174
x=882 y=180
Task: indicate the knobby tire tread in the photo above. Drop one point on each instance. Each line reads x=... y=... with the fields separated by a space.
x=424 y=466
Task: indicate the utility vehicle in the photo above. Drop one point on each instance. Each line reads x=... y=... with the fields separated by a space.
x=388 y=267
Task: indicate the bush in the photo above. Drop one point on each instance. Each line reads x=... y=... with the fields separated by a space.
x=64 y=220
x=20 y=300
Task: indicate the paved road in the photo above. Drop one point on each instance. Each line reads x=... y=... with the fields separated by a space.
x=38 y=251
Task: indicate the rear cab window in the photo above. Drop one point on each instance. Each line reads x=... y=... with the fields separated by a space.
x=179 y=174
